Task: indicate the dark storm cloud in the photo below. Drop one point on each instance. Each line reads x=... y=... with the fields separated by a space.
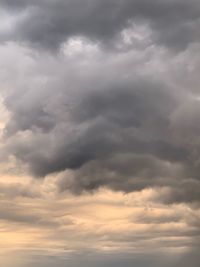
x=49 y=23
x=117 y=122
x=100 y=95
x=122 y=120
x=121 y=134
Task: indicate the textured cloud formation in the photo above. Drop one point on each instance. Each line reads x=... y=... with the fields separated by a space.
x=108 y=119
x=105 y=228
x=49 y=23
x=99 y=132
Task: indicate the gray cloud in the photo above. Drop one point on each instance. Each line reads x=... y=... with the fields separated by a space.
x=98 y=259
x=184 y=192
x=18 y=190
x=126 y=131
x=100 y=99
x=175 y=24
x=126 y=119
x=109 y=121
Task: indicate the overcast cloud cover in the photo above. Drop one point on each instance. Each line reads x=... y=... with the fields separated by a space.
x=100 y=133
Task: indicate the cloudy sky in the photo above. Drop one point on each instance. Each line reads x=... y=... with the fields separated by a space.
x=99 y=133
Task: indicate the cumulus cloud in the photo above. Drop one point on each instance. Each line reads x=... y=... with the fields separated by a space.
x=100 y=108
x=49 y=23
x=112 y=124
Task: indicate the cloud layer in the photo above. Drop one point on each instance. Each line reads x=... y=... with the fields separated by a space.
x=99 y=104
x=49 y=23
x=106 y=118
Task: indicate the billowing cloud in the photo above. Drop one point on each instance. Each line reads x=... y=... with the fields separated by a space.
x=111 y=125
x=99 y=132
x=49 y=23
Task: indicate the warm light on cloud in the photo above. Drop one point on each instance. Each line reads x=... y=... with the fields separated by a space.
x=99 y=133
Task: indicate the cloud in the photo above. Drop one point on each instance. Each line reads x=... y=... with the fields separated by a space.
x=99 y=133
x=105 y=118
x=18 y=190
x=127 y=119
x=96 y=259
x=175 y=24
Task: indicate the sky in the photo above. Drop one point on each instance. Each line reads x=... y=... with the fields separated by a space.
x=99 y=133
